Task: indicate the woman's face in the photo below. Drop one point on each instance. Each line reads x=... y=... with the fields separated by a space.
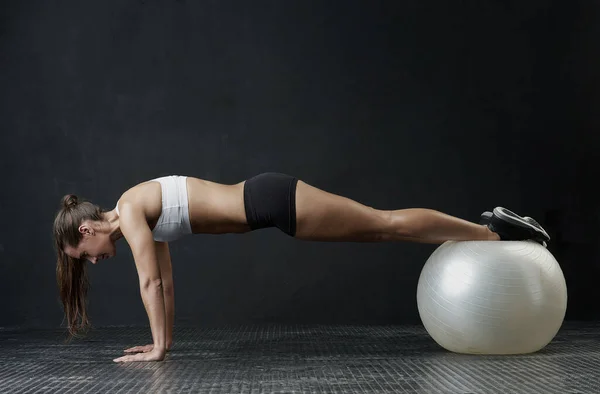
x=95 y=245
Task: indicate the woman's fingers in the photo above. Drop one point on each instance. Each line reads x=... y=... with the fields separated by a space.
x=129 y=358
x=150 y=356
x=140 y=349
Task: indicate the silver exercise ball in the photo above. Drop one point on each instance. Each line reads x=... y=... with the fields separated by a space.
x=492 y=297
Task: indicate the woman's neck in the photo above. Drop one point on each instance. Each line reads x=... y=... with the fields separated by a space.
x=111 y=219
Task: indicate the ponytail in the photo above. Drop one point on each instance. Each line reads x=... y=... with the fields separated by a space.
x=71 y=273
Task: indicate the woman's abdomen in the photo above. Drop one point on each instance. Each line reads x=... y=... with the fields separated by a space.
x=215 y=208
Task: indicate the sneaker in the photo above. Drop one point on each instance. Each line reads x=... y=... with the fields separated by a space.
x=485 y=218
x=539 y=227
x=510 y=226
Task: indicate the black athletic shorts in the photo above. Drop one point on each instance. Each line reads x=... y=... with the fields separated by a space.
x=270 y=201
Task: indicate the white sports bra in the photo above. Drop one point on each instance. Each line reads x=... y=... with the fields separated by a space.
x=174 y=220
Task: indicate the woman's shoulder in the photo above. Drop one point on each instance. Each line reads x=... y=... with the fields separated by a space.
x=145 y=196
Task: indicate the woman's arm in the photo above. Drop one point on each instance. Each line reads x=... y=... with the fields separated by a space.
x=139 y=237
x=166 y=273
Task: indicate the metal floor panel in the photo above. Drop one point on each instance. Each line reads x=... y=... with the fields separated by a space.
x=292 y=359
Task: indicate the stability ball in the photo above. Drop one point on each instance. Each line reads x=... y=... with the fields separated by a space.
x=492 y=297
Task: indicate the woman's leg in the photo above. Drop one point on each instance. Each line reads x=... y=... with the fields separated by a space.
x=323 y=216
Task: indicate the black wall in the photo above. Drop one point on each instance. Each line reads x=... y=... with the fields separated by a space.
x=456 y=106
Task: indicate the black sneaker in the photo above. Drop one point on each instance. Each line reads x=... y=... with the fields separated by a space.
x=510 y=226
x=532 y=221
x=485 y=218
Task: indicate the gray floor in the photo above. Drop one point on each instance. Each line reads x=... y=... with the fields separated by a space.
x=293 y=359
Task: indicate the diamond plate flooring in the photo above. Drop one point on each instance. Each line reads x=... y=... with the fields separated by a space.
x=292 y=359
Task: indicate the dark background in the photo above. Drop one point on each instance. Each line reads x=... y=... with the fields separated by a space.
x=456 y=106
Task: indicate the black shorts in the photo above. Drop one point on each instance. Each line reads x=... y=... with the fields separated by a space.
x=270 y=201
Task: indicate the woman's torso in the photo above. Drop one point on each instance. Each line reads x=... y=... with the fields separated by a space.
x=213 y=208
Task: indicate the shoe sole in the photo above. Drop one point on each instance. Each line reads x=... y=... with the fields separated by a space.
x=536 y=224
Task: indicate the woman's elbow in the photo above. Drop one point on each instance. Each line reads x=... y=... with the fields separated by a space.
x=151 y=284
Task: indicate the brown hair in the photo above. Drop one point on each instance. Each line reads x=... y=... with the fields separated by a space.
x=71 y=273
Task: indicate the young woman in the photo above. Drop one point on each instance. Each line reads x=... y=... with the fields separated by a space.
x=153 y=213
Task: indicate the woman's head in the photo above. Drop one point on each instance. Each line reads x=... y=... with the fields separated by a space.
x=78 y=236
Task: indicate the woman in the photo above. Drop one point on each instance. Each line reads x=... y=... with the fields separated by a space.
x=155 y=212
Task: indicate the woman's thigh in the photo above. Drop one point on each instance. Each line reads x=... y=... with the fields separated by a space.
x=324 y=216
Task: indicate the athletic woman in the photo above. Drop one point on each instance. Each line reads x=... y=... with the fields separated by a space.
x=154 y=213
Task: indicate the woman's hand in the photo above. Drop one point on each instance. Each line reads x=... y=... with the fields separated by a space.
x=153 y=355
x=139 y=349
x=144 y=349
